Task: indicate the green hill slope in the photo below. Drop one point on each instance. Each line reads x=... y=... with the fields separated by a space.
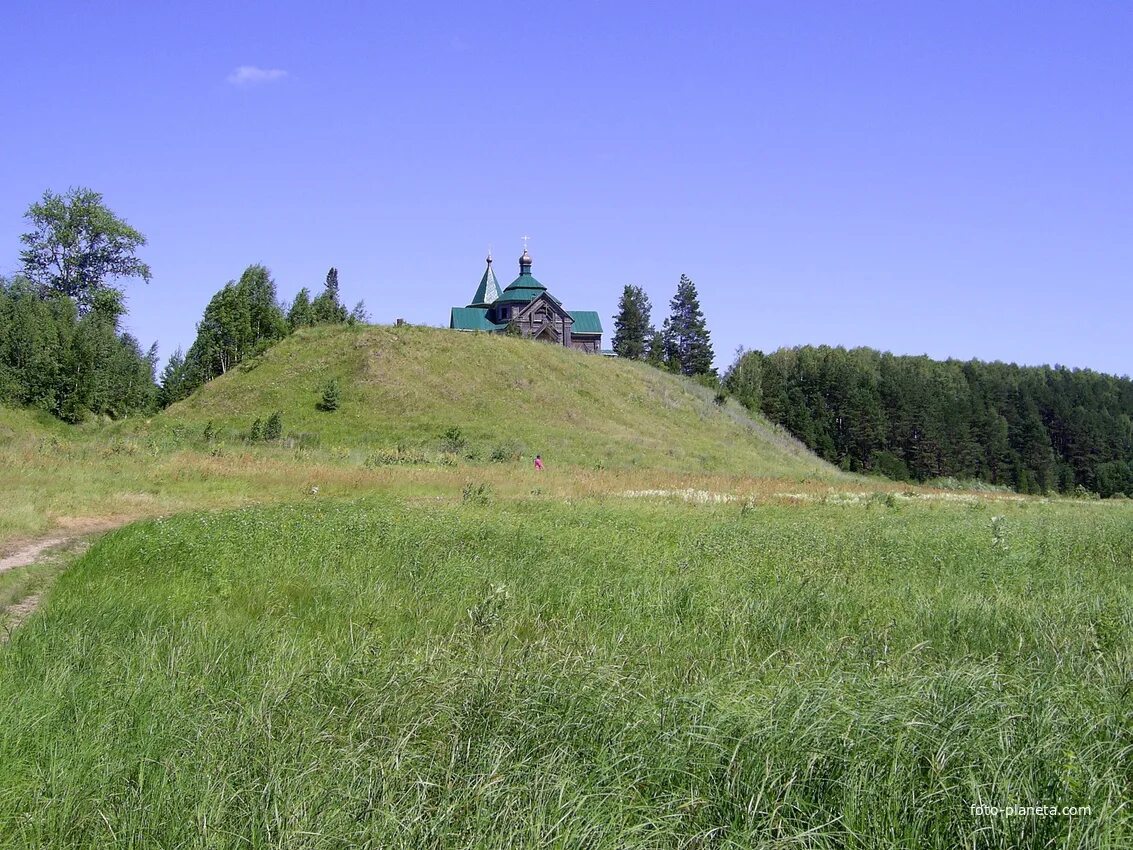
x=405 y=386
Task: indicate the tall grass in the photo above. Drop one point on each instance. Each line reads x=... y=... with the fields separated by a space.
x=600 y=673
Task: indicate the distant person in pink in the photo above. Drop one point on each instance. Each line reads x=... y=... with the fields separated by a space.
x=539 y=462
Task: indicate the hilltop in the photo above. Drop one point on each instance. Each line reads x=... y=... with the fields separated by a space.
x=404 y=387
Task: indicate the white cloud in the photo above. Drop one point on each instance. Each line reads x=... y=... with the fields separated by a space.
x=250 y=75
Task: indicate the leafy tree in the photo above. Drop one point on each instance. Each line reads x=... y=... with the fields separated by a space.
x=632 y=324
x=744 y=379
x=688 y=346
x=358 y=315
x=301 y=314
x=77 y=245
x=71 y=366
x=240 y=321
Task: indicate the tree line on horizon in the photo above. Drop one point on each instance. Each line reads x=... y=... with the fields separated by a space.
x=244 y=319
x=62 y=347
x=910 y=418
x=1035 y=429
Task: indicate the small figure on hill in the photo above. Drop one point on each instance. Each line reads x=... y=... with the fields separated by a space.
x=539 y=462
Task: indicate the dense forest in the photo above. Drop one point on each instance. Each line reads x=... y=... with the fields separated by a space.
x=1035 y=429
x=54 y=358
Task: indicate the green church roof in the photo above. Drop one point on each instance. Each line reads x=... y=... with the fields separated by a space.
x=525 y=287
x=585 y=322
x=488 y=290
x=472 y=319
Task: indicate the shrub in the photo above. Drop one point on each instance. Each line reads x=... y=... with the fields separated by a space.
x=453 y=441
x=209 y=434
x=476 y=494
x=256 y=433
x=330 y=397
x=273 y=429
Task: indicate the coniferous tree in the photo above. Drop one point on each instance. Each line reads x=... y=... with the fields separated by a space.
x=330 y=399
x=632 y=326
x=912 y=418
x=327 y=306
x=175 y=383
x=688 y=344
x=273 y=428
x=655 y=349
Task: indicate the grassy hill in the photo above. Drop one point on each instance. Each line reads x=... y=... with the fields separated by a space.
x=404 y=387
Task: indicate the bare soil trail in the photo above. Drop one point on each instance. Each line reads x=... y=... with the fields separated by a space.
x=72 y=535
x=27 y=552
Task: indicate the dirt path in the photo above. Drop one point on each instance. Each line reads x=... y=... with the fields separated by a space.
x=27 y=552
x=31 y=552
x=73 y=536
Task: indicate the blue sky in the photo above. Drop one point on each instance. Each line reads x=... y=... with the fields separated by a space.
x=951 y=178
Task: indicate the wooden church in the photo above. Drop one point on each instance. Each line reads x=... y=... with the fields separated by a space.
x=530 y=309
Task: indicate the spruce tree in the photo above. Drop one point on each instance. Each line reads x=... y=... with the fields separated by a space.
x=688 y=347
x=655 y=349
x=330 y=397
x=273 y=428
x=632 y=326
x=327 y=306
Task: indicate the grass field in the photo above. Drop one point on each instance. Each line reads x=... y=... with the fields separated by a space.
x=686 y=632
x=607 y=672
